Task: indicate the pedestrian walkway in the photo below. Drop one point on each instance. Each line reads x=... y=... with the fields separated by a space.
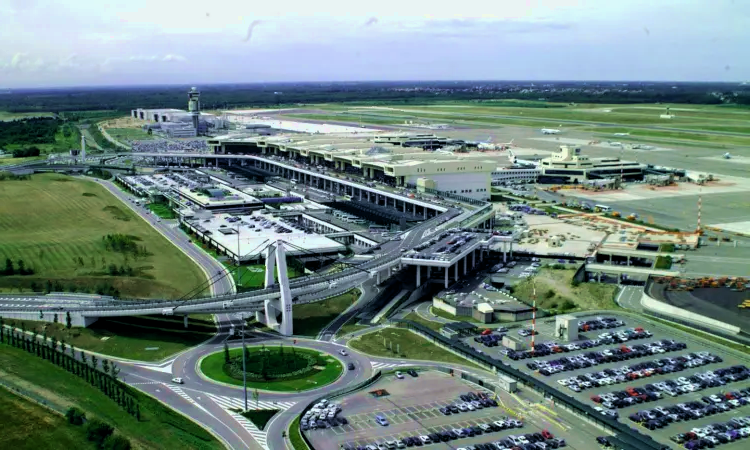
x=178 y=390
x=382 y=366
x=239 y=403
x=233 y=404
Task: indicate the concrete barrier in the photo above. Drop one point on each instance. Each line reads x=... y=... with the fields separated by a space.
x=662 y=308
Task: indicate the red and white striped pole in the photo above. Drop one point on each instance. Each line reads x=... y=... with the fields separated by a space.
x=700 y=203
x=533 y=318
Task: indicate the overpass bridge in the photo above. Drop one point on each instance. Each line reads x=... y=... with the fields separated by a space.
x=272 y=298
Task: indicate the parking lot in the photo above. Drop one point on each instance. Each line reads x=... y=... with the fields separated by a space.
x=638 y=378
x=412 y=408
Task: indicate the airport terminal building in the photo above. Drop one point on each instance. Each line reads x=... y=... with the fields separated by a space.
x=570 y=166
x=397 y=159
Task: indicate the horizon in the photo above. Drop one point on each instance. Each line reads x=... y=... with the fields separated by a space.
x=5 y=90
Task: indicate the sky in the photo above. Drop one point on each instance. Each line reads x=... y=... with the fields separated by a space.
x=49 y=43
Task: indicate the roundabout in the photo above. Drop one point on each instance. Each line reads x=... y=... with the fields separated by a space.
x=273 y=368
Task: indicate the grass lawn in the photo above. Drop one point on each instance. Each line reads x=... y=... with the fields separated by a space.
x=295 y=437
x=27 y=425
x=212 y=366
x=310 y=318
x=414 y=317
x=159 y=428
x=253 y=276
x=61 y=238
x=10 y=161
x=682 y=135
x=259 y=417
x=556 y=294
x=129 y=337
x=406 y=345
x=129 y=134
x=161 y=210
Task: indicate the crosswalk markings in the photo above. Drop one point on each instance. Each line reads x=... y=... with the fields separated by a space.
x=239 y=403
x=232 y=403
x=177 y=390
x=377 y=365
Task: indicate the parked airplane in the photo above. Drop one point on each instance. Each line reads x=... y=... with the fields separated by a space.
x=514 y=160
x=727 y=156
x=622 y=134
x=489 y=145
x=551 y=131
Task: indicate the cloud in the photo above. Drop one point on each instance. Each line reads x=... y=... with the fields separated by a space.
x=18 y=60
x=461 y=28
x=371 y=21
x=250 y=30
x=171 y=57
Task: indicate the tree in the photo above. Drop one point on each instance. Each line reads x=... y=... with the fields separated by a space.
x=68 y=321
x=8 y=267
x=114 y=371
x=55 y=318
x=41 y=315
x=21 y=267
x=105 y=366
x=226 y=353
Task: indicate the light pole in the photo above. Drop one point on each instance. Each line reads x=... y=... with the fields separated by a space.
x=244 y=368
x=238 y=259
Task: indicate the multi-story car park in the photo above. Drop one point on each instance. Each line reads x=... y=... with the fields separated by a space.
x=640 y=372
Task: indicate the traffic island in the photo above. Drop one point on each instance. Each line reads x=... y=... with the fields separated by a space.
x=273 y=368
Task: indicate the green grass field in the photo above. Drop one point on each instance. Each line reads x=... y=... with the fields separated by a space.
x=141 y=338
x=27 y=425
x=431 y=324
x=159 y=427
x=406 y=345
x=56 y=223
x=212 y=366
x=252 y=276
x=673 y=135
x=719 y=118
x=554 y=289
x=129 y=134
x=310 y=318
x=163 y=211
x=11 y=161
x=350 y=327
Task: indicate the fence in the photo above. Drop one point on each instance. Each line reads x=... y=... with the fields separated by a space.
x=630 y=437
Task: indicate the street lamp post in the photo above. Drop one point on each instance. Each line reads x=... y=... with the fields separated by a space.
x=244 y=367
x=238 y=257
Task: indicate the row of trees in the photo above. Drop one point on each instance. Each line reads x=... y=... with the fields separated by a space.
x=28 y=131
x=124 y=243
x=19 y=268
x=56 y=286
x=26 y=152
x=5 y=176
x=64 y=356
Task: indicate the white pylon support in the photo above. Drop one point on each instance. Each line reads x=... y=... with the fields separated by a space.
x=276 y=259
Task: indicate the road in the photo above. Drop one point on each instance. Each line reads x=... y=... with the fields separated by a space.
x=213 y=269
x=206 y=402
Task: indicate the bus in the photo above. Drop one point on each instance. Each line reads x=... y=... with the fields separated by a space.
x=377 y=228
x=347 y=197
x=602 y=208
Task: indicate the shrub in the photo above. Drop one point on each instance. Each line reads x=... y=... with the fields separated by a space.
x=116 y=442
x=75 y=416
x=97 y=431
x=549 y=294
x=568 y=305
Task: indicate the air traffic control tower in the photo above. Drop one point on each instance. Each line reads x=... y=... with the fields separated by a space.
x=194 y=106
